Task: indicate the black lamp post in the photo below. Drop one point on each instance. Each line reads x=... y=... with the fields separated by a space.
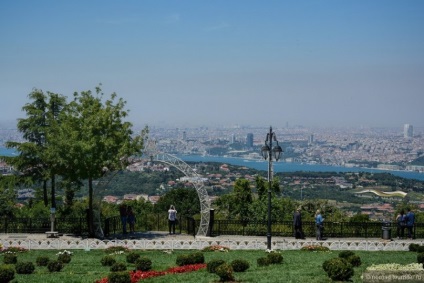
x=269 y=152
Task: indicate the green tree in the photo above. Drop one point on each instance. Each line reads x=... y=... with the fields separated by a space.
x=243 y=199
x=185 y=200
x=34 y=161
x=92 y=139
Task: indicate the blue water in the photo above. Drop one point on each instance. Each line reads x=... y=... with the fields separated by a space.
x=278 y=166
x=7 y=152
x=293 y=166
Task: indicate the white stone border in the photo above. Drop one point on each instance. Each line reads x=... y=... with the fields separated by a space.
x=197 y=244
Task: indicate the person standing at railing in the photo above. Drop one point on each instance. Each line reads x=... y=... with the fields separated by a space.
x=400 y=220
x=124 y=216
x=131 y=219
x=319 y=222
x=410 y=220
x=172 y=218
x=297 y=223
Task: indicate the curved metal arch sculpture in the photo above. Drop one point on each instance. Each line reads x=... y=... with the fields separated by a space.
x=198 y=184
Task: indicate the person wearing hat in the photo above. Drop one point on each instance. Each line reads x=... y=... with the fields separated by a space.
x=297 y=223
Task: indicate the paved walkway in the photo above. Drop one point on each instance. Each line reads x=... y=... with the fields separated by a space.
x=161 y=240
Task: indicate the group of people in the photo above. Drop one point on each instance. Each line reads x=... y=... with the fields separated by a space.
x=127 y=217
x=297 y=224
x=405 y=221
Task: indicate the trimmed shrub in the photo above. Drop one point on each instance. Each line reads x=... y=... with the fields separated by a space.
x=183 y=260
x=143 y=264
x=118 y=266
x=420 y=258
x=108 y=260
x=197 y=257
x=132 y=257
x=64 y=258
x=240 y=265
x=119 y=277
x=413 y=247
x=263 y=261
x=7 y=273
x=225 y=272
x=10 y=259
x=213 y=264
x=338 y=269
x=346 y=254
x=193 y=258
x=24 y=267
x=42 y=261
x=55 y=266
x=420 y=249
x=354 y=260
x=275 y=258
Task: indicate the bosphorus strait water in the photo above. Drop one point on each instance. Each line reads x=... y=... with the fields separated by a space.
x=278 y=166
x=293 y=166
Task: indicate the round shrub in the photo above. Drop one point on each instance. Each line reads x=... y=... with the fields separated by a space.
x=118 y=266
x=143 y=264
x=240 y=265
x=108 y=260
x=213 y=264
x=413 y=247
x=263 y=261
x=346 y=254
x=197 y=257
x=7 y=273
x=64 y=258
x=132 y=257
x=338 y=269
x=420 y=257
x=183 y=260
x=275 y=258
x=119 y=277
x=420 y=249
x=24 y=267
x=55 y=266
x=354 y=260
x=10 y=259
x=42 y=260
x=225 y=272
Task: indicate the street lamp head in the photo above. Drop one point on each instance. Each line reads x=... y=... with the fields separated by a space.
x=265 y=151
x=277 y=150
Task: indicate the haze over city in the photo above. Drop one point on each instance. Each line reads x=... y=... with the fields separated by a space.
x=192 y=63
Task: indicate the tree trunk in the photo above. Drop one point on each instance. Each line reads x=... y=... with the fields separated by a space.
x=53 y=191
x=90 y=208
x=45 y=196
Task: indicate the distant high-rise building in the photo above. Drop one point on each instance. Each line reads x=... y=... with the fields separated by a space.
x=249 y=140
x=184 y=136
x=233 y=138
x=311 y=139
x=408 y=131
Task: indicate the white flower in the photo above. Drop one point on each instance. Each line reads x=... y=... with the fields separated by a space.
x=396 y=266
x=65 y=252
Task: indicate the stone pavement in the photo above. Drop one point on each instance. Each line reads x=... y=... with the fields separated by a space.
x=163 y=241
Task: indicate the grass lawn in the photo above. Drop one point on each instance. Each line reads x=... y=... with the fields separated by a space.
x=298 y=266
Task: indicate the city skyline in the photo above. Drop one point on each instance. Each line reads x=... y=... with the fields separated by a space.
x=222 y=63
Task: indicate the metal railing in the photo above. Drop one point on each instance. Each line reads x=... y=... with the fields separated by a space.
x=76 y=226
x=159 y=222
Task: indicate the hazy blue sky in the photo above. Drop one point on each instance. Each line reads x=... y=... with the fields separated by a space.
x=189 y=63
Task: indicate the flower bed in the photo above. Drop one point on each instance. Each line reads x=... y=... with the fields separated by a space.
x=216 y=248
x=315 y=248
x=138 y=275
x=393 y=272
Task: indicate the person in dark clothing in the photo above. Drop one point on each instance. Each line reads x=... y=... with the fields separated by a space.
x=410 y=220
x=297 y=223
x=124 y=215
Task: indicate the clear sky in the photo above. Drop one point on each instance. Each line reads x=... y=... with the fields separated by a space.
x=222 y=62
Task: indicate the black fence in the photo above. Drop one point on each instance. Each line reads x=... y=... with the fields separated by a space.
x=331 y=229
x=75 y=226
x=187 y=225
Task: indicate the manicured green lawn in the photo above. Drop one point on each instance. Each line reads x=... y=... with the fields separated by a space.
x=298 y=266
